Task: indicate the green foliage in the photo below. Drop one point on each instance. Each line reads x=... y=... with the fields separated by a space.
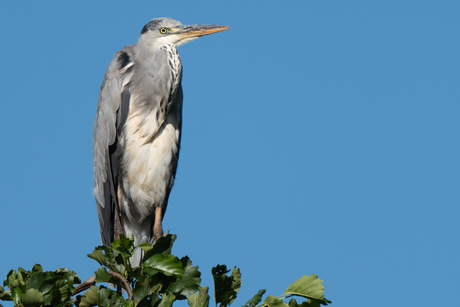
x=226 y=287
x=309 y=287
x=199 y=299
x=159 y=281
x=255 y=299
x=38 y=288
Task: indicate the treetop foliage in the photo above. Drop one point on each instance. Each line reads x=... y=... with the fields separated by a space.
x=159 y=281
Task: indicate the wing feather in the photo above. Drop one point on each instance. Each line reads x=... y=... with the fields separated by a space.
x=112 y=111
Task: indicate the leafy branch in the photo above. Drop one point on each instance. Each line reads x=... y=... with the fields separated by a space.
x=159 y=281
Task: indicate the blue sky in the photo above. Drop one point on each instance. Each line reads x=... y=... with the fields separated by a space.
x=319 y=137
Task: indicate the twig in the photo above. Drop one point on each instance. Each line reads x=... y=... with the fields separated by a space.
x=85 y=285
x=92 y=281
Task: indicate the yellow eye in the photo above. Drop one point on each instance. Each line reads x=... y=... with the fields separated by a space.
x=163 y=30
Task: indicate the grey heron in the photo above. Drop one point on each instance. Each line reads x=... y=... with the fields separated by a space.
x=137 y=132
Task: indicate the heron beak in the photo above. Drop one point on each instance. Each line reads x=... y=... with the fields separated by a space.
x=195 y=31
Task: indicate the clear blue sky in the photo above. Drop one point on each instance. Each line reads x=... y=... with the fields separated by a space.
x=319 y=137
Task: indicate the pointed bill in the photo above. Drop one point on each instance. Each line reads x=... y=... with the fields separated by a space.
x=195 y=31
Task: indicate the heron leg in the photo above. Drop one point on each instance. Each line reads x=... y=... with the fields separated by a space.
x=117 y=225
x=158 y=227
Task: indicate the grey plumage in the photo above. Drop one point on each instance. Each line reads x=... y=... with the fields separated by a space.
x=137 y=131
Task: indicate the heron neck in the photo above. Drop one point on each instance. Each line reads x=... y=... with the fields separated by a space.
x=149 y=54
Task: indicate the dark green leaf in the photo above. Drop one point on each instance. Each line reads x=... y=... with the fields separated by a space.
x=10 y=278
x=103 y=276
x=141 y=289
x=22 y=277
x=167 y=300
x=272 y=301
x=149 y=301
x=168 y=265
x=256 y=299
x=199 y=299
x=53 y=297
x=32 y=298
x=64 y=293
x=109 y=258
x=308 y=287
x=189 y=283
x=314 y=303
x=124 y=246
x=71 y=277
x=293 y=303
x=37 y=269
x=35 y=280
x=107 y=298
x=226 y=287
x=48 y=282
x=162 y=246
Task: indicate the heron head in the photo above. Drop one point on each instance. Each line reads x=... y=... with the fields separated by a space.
x=162 y=31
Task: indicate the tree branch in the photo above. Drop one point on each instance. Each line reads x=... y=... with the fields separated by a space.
x=92 y=281
x=124 y=281
x=85 y=285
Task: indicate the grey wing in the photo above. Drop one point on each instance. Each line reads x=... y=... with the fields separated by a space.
x=112 y=111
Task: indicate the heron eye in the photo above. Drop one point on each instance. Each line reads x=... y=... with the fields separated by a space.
x=163 y=30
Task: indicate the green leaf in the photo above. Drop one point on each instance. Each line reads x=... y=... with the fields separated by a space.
x=148 y=301
x=10 y=278
x=124 y=249
x=168 y=265
x=167 y=300
x=141 y=289
x=16 y=293
x=99 y=256
x=199 y=299
x=89 y=298
x=272 y=301
x=32 y=298
x=109 y=258
x=56 y=286
x=53 y=297
x=22 y=277
x=145 y=246
x=71 y=277
x=103 y=276
x=226 y=287
x=313 y=303
x=124 y=246
x=190 y=283
x=48 y=282
x=35 y=281
x=108 y=298
x=308 y=287
x=293 y=303
x=255 y=299
x=37 y=269
x=162 y=246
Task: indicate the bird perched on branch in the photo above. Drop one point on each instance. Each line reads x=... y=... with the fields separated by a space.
x=137 y=132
